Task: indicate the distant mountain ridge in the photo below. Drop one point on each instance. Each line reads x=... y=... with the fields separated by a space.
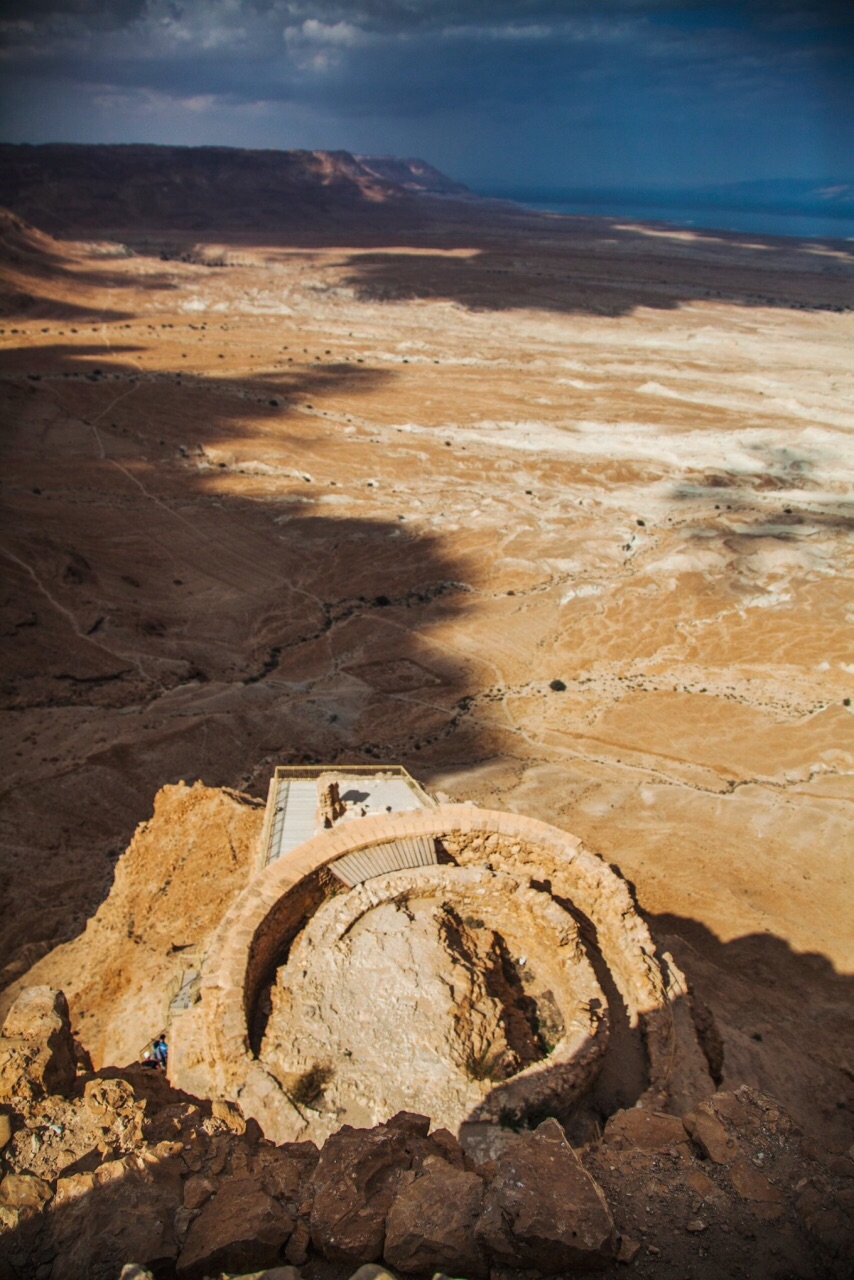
x=65 y=187
x=413 y=175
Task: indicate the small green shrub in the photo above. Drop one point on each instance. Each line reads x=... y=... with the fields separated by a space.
x=307 y=1088
x=485 y=1064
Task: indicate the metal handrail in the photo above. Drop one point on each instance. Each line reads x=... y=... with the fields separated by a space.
x=366 y=770
x=283 y=771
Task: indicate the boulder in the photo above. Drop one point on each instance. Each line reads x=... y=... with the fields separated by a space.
x=285 y=1171
x=417 y=1126
x=628 y=1250
x=272 y=1273
x=197 y=1190
x=448 y=1147
x=358 y=1175
x=107 y=1099
x=120 y=1211
x=241 y=1228
x=230 y=1114
x=297 y=1248
x=753 y=1185
x=734 y=1125
x=644 y=1130
x=542 y=1210
x=710 y=1135
x=431 y=1224
x=37 y=1054
x=698 y=1182
x=25 y=1194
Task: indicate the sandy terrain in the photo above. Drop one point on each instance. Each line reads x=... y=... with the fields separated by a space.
x=557 y=513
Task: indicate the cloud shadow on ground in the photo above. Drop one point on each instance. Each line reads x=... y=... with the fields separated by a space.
x=35 y=269
x=599 y=268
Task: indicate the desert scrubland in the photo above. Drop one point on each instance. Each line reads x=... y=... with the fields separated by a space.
x=555 y=512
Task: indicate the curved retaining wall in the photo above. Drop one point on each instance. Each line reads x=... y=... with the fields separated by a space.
x=210 y=1045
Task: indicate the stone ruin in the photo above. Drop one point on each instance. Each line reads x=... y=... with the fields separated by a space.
x=113 y=1175
x=330 y=807
x=482 y=967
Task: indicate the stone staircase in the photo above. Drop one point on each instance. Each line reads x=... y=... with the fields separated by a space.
x=188 y=991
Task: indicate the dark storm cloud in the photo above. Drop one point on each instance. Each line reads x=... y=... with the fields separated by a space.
x=412 y=15
x=549 y=66
x=403 y=49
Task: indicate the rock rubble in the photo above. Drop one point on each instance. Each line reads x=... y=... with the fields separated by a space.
x=117 y=1174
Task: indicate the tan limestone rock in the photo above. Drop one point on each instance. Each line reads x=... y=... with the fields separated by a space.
x=371 y=1271
x=26 y=1194
x=230 y=1114
x=273 y=1273
x=37 y=1049
x=72 y=1187
x=171 y=888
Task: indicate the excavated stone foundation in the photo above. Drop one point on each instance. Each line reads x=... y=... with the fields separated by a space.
x=460 y=991
x=483 y=990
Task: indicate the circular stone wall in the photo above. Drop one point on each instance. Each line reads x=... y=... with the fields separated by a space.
x=457 y=992
x=282 y=948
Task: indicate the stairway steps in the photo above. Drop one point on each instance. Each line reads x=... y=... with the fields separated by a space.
x=382 y=859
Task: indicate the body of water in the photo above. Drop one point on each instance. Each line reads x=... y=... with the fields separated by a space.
x=812 y=225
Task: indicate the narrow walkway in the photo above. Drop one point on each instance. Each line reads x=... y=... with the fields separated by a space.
x=294 y=816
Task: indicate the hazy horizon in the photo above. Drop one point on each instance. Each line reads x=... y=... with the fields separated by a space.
x=551 y=189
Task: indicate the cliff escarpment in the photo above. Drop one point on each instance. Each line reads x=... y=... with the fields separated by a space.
x=86 y=189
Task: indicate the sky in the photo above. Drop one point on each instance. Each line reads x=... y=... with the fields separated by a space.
x=497 y=93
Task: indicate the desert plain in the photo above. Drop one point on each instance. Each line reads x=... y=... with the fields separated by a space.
x=555 y=512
